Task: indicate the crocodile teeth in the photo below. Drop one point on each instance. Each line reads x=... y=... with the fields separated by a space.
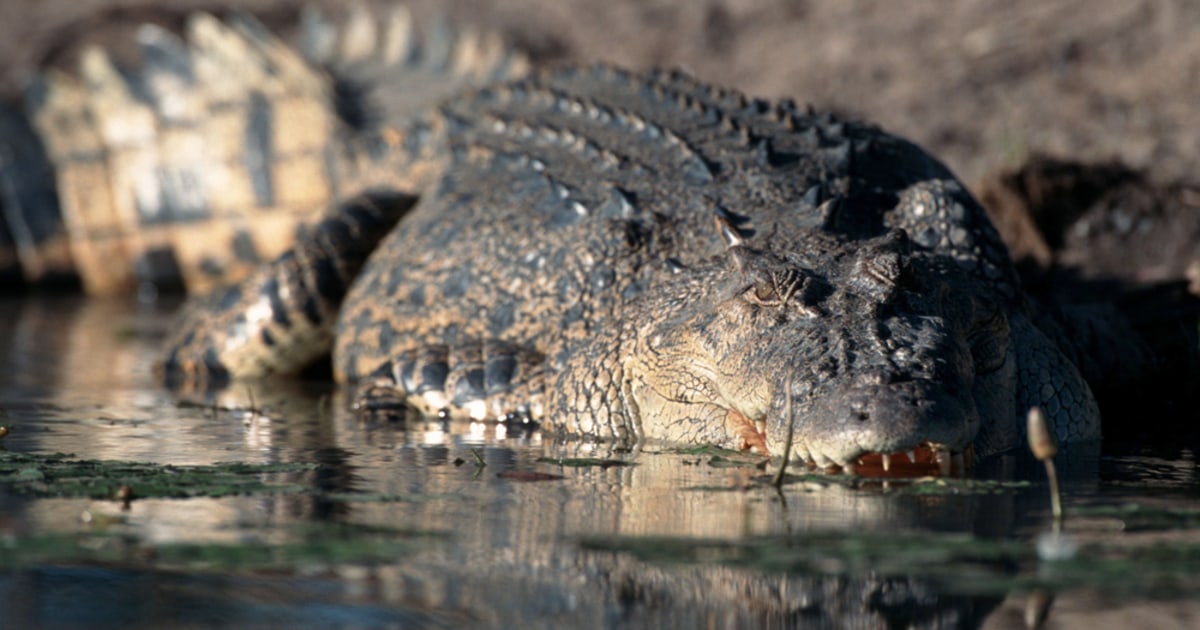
x=942 y=456
x=803 y=455
x=912 y=457
x=850 y=468
x=887 y=462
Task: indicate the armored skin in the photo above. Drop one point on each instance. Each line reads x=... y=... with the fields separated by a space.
x=642 y=256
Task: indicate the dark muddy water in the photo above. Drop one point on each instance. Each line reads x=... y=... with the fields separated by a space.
x=429 y=524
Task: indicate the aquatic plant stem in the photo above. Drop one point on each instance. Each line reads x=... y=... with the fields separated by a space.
x=787 y=442
x=1043 y=447
x=1055 y=496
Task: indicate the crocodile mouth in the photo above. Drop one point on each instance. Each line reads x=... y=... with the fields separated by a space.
x=925 y=459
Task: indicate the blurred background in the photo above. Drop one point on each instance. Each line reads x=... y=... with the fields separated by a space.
x=980 y=84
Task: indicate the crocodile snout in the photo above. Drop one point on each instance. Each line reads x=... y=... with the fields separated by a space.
x=876 y=414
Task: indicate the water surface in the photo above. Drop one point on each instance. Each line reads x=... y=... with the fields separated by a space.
x=426 y=523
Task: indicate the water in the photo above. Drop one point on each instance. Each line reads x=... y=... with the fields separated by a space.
x=431 y=524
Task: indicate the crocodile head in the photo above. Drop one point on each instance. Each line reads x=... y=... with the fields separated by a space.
x=854 y=347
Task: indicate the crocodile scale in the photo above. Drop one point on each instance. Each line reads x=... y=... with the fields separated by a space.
x=642 y=256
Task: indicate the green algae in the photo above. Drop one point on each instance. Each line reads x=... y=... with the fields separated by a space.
x=372 y=497
x=960 y=563
x=972 y=563
x=1138 y=518
x=585 y=462
x=59 y=475
x=1156 y=570
x=817 y=481
x=947 y=485
x=312 y=546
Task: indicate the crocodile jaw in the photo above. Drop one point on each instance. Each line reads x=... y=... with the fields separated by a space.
x=877 y=426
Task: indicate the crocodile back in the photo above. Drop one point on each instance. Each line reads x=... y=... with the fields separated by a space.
x=570 y=193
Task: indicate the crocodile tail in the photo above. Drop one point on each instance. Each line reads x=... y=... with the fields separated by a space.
x=387 y=76
x=33 y=243
x=202 y=162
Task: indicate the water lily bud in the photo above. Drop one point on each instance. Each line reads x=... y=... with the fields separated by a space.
x=1040 y=441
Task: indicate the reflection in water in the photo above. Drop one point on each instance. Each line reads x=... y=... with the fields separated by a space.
x=76 y=377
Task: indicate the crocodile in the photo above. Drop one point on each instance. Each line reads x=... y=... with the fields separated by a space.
x=641 y=256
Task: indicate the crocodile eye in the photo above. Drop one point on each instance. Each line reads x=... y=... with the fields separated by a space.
x=764 y=293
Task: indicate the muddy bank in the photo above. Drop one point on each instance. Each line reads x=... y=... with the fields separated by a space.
x=981 y=85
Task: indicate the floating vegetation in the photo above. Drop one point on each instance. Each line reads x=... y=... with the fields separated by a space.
x=585 y=462
x=370 y=497
x=932 y=486
x=720 y=461
x=960 y=563
x=946 y=485
x=971 y=564
x=708 y=450
x=58 y=475
x=528 y=475
x=1138 y=518
x=314 y=545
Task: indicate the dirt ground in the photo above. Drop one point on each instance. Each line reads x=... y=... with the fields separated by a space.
x=980 y=84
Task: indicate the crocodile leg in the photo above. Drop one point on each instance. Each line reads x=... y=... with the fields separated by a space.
x=480 y=380
x=1047 y=379
x=280 y=320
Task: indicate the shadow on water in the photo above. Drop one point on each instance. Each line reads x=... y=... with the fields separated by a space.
x=369 y=523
